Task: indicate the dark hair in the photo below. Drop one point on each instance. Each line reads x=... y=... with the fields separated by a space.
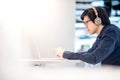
x=101 y=14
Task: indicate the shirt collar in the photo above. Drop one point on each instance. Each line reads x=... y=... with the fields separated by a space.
x=102 y=31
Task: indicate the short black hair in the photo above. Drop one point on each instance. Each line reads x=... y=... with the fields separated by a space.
x=101 y=14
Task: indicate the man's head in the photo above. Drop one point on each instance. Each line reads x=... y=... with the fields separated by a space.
x=96 y=12
x=94 y=18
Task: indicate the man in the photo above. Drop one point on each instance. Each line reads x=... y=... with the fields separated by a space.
x=106 y=48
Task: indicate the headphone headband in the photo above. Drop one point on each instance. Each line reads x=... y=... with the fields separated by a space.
x=95 y=11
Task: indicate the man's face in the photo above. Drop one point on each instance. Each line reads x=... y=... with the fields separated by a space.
x=90 y=26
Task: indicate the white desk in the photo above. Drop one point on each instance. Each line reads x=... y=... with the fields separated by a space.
x=57 y=62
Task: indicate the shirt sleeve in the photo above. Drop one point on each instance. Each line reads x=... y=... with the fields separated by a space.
x=105 y=47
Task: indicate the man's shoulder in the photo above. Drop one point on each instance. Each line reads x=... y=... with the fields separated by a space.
x=112 y=27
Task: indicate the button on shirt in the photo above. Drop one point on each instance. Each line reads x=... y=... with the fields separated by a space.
x=106 y=48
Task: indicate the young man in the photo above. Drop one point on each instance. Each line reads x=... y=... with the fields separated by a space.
x=106 y=48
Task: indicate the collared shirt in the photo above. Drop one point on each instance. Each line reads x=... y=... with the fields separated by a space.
x=106 y=48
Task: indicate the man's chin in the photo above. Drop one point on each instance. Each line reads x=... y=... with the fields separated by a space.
x=90 y=33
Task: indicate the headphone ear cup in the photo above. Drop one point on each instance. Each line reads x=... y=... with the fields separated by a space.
x=97 y=21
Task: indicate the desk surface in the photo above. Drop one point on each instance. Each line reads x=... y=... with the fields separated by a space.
x=47 y=61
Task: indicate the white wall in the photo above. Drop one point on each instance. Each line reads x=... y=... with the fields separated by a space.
x=48 y=22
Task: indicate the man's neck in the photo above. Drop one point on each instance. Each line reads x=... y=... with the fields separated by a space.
x=99 y=29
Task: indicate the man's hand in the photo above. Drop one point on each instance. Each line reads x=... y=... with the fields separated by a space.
x=59 y=52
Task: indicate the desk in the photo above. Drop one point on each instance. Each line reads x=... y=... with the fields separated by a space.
x=54 y=62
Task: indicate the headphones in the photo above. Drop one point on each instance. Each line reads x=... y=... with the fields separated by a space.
x=97 y=19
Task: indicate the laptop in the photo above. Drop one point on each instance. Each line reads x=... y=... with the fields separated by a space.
x=42 y=61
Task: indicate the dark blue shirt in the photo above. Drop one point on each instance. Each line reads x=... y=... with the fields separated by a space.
x=106 y=48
